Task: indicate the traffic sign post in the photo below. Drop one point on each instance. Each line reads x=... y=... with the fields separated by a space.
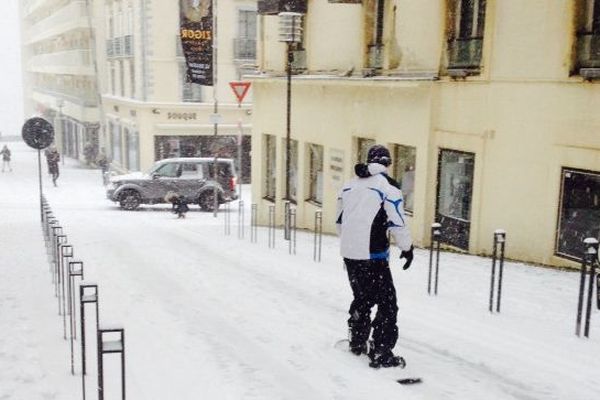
x=240 y=89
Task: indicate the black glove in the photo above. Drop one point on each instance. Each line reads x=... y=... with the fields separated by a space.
x=408 y=254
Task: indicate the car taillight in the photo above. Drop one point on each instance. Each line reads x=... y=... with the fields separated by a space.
x=232 y=183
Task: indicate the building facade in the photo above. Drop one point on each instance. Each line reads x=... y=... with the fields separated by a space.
x=151 y=112
x=60 y=80
x=486 y=105
x=113 y=72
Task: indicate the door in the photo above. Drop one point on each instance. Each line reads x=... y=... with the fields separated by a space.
x=164 y=179
x=191 y=180
x=454 y=196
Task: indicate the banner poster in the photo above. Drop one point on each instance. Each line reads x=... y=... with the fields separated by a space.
x=196 y=34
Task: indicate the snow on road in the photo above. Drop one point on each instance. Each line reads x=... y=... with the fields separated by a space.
x=213 y=316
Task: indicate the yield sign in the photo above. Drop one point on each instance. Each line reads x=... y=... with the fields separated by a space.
x=240 y=89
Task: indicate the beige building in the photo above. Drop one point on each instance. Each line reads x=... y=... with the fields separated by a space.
x=489 y=109
x=150 y=110
x=59 y=75
x=122 y=85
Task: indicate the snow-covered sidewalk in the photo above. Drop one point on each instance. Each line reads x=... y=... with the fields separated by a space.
x=217 y=317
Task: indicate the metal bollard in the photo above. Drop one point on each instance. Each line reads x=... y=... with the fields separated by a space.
x=56 y=230
x=227 y=218
x=590 y=257
x=87 y=298
x=272 y=226
x=253 y=223
x=499 y=246
x=286 y=219
x=292 y=233
x=110 y=347
x=59 y=240
x=241 y=219
x=66 y=253
x=318 y=236
x=75 y=270
x=436 y=235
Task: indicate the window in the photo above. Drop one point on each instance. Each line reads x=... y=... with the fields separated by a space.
x=132 y=79
x=315 y=162
x=191 y=171
x=454 y=196
x=362 y=148
x=466 y=23
x=133 y=150
x=404 y=159
x=579 y=211
x=293 y=167
x=170 y=170
x=588 y=37
x=245 y=43
x=270 y=166
x=116 y=143
x=121 y=79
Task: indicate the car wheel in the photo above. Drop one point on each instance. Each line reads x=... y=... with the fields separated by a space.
x=130 y=200
x=207 y=201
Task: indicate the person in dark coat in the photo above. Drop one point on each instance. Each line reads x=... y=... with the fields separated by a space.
x=179 y=204
x=5 y=158
x=368 y=207
x=53 y=158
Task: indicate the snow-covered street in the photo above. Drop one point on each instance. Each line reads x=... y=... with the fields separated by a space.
x=210 y=316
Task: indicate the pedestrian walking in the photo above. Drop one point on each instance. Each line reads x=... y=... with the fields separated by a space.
x=53 y=158
x=369 y=206
x=5 y=158
x=103 y=163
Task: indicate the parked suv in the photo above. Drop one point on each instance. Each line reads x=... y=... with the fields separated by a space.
x=191 y=177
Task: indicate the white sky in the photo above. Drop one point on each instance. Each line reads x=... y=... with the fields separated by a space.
x=11 y=97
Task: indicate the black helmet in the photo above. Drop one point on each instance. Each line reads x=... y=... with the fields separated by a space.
x=379 y=154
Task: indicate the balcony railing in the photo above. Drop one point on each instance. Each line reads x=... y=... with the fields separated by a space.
x=86 y=98
x=118 y=46
x=273 y=7
x=70 y=58
x=72 y=12
x=465 y=53
x=110 y=49
x=244 y=49
x=128 y=45
x=588 y=50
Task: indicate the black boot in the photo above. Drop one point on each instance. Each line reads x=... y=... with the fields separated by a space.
x=385 y=359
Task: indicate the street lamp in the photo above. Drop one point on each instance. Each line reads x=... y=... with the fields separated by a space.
x=60 y=103
x=290 y=32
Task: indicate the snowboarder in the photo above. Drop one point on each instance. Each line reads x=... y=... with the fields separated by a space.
x=5 y=158
x=53 y=157
x=368 y=207
x=180 y=206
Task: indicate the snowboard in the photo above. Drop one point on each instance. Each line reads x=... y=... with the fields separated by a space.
x=344 y=345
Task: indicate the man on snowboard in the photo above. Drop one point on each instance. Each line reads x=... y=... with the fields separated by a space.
x=368 y=207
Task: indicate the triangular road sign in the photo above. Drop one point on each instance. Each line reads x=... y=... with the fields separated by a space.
x=240 y=89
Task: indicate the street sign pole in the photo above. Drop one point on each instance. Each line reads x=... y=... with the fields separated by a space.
x=240 y=89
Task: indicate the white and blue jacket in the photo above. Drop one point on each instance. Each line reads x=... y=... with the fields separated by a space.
x=367 y=207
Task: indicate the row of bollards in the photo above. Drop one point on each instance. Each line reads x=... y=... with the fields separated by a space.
x=289 y=226
x=65 y=270
x=590 y=269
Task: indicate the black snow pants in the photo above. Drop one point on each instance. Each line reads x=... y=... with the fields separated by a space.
x=372 y=284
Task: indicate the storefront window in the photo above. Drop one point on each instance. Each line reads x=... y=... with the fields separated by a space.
x=579 y=213
x=315 y=154
x=455 y=188
x=270 y=167
x=404 y=159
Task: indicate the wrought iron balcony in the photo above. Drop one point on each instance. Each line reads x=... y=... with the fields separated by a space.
x=465 y=53
x=110 y=51
x=273 y=7
x=244 y=49
x=118 y=46
x=128 y=45
x=588 y=50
